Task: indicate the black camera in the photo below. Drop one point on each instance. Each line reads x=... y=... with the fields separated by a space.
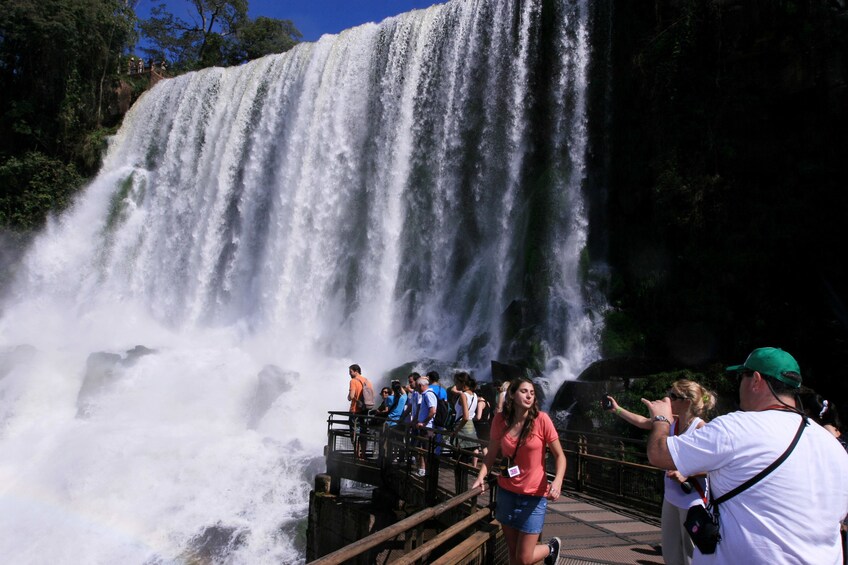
x=703 y=528
x=606 y=402
x=686 y=486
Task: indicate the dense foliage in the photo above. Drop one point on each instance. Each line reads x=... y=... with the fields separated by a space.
x=221 y=33
x=726 y=201
x=56 y=61
x=64 y=87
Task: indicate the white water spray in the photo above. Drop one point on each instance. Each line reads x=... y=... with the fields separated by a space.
x=256 y=230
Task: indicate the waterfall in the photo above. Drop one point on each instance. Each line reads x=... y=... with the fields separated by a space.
x=381 y=196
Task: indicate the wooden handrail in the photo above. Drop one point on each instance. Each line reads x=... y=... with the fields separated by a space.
x=442 y=537
x=358 y=547
x=463 y=549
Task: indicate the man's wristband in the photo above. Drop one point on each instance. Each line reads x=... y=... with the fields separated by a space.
x=660 y=418
x=618 y=411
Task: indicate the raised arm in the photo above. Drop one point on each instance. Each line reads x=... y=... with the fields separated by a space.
x=658 y=453
x=629 y=417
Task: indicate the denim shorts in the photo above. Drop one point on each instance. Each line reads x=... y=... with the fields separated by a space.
x=521 y=512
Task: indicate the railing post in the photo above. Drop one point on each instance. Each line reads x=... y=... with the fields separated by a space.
x=620 y=469
x=460 y=474
x=431 y=479
x=582 y=449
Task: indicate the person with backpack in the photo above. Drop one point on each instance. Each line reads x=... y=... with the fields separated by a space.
x=361 y=397
x=426 y=414
x=444 y=411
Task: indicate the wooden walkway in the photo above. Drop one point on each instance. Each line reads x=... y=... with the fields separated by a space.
x=593 y=531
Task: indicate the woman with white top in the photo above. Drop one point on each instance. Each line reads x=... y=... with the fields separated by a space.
x=465 y=409
x=689 y=402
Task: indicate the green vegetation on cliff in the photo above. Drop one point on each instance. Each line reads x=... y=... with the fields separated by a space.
x=726 y=203
x=64 y=88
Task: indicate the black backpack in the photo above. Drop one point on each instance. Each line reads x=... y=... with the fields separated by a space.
x=444 y=414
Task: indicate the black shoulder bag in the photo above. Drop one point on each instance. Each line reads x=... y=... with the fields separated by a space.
x=703 y=523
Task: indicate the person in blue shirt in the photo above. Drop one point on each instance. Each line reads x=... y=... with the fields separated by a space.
x=396 y=404
x=441 y=394
x=435 y=386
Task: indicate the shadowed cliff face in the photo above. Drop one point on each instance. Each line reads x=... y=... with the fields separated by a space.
x=726 y=208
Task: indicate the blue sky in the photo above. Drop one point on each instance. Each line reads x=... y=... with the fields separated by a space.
x=313 y=18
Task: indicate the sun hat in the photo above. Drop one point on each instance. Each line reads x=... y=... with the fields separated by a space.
x=772 y=362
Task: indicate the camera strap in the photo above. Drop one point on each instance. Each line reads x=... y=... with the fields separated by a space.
x=762 y=474
x=518 y=442
x=697 y=485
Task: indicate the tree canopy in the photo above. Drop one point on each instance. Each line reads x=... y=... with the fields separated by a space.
x=220 y=33
x=62 y=75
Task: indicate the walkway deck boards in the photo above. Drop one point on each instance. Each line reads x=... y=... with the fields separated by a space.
x=594 y=534
x=595 y=531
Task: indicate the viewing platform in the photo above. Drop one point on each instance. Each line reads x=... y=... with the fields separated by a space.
x=609 y=511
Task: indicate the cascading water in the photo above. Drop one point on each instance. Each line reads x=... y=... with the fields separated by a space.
x=377 y=197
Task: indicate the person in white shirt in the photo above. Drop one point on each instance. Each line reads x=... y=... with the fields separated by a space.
x=792 y=515
x=690 y=403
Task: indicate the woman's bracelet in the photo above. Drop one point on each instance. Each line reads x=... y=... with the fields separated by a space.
x=618 y=411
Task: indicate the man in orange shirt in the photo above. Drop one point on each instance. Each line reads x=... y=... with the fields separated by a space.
x=358 y=421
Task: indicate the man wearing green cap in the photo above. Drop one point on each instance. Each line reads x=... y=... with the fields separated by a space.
x=793 y=514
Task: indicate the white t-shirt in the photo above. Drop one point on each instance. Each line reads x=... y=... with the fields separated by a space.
x=673 y=493
x=792 y=515
x=428 y=400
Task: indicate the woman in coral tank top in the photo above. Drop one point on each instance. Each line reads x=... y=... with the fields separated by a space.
x=521 y=434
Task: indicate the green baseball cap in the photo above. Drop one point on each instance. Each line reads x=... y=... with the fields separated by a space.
x=772 y=362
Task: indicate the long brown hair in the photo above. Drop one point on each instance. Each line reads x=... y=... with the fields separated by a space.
x=509 y=408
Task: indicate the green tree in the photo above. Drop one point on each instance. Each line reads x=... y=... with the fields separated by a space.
x=57 y=62
x=263 y=36
x=55 y=56
x=220 y=33
x=33 y=185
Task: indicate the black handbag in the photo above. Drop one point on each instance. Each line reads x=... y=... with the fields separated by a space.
x=702 y=523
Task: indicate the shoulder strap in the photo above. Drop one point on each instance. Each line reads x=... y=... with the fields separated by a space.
x=520 y=438
x=762 y=474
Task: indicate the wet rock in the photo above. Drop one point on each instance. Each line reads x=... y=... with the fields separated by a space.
x=101 y=370
x=213 y=545
x=272 y=382
x=135 y=354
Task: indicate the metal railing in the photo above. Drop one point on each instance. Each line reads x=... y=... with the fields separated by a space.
x=609 y=467
x=612 y=468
